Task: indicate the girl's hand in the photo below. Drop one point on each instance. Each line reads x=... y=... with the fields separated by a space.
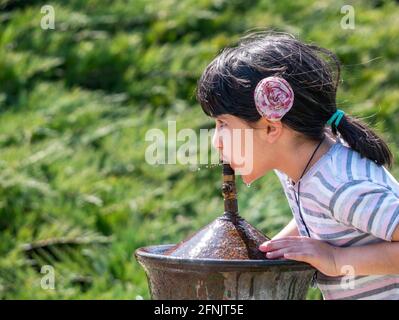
x=317 y=253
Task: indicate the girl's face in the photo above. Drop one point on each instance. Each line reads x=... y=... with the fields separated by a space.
x=248 y=149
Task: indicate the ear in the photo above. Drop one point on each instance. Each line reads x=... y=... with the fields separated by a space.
x=272 y=129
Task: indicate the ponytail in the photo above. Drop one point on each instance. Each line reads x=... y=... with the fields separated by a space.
x=364 y=140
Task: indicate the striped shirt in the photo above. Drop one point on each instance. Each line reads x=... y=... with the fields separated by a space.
x=347 y=200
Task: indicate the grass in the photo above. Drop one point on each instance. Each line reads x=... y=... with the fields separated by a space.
x=76 y=103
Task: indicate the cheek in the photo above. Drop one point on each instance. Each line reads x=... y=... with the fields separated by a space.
x=227 y=143
x=242 y=150
x=247 y=143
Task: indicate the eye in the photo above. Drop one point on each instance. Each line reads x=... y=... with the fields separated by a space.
x=221 y=123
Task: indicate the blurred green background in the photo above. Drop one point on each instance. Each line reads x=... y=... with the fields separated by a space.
x=77 y=101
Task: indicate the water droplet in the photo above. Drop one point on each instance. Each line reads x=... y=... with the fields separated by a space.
x=248 y=185
x=198 y=169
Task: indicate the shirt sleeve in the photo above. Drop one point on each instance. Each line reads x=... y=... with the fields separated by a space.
x=366 y=206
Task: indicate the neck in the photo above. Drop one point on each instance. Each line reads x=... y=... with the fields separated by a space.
x=294 y=159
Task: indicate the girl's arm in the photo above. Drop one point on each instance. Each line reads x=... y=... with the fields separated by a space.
x=290 y=230
x=380 y=258
x=378 y=220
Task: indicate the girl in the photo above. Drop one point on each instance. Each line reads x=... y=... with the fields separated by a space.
x=332 y=166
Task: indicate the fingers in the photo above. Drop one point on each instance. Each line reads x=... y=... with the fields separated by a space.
x=281 y=252
x=270 y=246
x=281 y=243
x=291 y=250
x=291 y=238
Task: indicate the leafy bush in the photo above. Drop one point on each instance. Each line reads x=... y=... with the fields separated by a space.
x=76 y=102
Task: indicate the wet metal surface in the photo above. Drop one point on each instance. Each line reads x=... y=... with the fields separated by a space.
x=172 y=277
x=228 y=237
x=222 y=261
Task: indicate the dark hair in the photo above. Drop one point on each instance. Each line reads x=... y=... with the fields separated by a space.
x=227 y=86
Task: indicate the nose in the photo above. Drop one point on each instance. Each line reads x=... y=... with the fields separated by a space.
x=217 y=140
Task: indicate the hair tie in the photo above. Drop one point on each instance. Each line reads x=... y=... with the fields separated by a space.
x=337 y=116
x=274 y=97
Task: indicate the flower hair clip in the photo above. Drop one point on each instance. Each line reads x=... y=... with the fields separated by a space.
x=273 y=98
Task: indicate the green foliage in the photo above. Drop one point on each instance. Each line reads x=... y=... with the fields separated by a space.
x=76 y=103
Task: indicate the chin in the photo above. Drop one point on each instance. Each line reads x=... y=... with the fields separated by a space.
x=248 y=178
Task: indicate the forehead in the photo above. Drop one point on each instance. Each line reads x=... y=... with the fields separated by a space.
x=232 y=120
x=225 y=117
